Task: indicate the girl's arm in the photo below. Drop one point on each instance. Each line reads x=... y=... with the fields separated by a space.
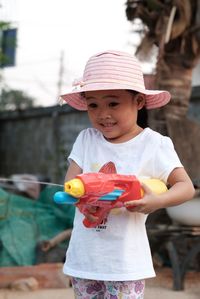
x=181 y=189
x=72 y=171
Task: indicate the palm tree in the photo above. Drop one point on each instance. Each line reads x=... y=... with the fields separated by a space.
x=173 y=26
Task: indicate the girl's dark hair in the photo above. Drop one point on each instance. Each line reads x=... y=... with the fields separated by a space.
x=142 y=120
x=142 y=114
x=133 y=92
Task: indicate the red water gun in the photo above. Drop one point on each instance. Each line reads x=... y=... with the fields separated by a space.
x=105 y=190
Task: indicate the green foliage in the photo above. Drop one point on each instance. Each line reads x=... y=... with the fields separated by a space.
x=15 y=99
x=4 y=25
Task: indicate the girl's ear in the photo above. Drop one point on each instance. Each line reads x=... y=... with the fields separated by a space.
x=140 y=98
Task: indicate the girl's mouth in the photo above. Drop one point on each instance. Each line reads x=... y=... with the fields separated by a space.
x=108 y=125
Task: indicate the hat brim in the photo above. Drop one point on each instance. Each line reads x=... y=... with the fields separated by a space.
x=153 y=98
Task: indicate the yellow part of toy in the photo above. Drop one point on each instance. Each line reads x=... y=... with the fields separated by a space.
x=157 y=186
x=75 y=188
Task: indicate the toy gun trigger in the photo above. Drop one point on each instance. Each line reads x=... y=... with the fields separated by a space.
x=101 y=214
x=64 y=198
x=87 y=223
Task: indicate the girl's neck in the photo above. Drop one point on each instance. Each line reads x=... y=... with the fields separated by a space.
x=126 y=137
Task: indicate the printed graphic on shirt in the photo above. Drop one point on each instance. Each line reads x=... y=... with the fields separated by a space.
x=102 y=225
x=95 y=167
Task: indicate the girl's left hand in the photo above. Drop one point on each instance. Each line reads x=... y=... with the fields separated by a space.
x=149 y=203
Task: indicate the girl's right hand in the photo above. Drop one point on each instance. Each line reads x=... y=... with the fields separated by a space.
x=89 y=213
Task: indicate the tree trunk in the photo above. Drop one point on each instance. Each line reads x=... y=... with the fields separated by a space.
x=171 y=75
x=171 y=120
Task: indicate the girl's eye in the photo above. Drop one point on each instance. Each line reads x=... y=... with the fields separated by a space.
x=92 y=105
x=113 y=104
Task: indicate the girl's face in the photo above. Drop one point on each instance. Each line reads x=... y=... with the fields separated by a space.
x=114 y=113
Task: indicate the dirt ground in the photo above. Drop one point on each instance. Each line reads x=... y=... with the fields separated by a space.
x=162 y=286
x=156 y=288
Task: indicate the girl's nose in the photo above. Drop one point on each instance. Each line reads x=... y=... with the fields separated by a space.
x=103 y=114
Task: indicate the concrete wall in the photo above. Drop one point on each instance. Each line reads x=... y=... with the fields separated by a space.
x=38 y=141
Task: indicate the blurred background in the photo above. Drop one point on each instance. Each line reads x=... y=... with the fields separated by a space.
x=44 y=46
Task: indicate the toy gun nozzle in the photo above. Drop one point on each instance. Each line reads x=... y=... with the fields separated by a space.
x=75 y=188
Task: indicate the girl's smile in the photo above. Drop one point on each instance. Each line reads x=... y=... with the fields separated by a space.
x=108 y=124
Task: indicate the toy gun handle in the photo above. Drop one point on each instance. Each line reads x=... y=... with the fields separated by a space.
x=101 y=214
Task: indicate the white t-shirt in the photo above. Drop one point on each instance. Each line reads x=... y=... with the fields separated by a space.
x=117 y=250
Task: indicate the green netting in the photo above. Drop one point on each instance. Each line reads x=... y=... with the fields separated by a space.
x=24 y=222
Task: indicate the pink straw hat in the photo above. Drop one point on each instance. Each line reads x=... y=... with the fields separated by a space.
x=113 y=70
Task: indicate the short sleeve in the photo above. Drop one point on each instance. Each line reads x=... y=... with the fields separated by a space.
x=166 y=159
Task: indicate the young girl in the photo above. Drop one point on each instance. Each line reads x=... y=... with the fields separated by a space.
x=113 y=259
